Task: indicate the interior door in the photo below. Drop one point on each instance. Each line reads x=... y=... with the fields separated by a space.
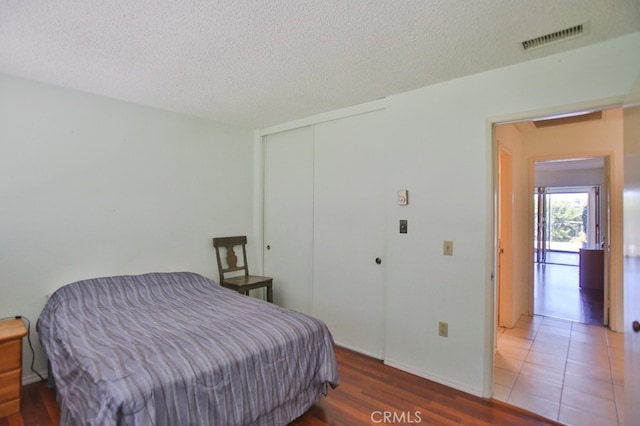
x=632 y=255
x=505 y=240
x=288 y=216
x=349 y=222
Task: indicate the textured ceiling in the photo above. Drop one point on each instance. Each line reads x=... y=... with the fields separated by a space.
x=261 y=62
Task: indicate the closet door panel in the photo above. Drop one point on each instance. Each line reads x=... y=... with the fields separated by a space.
x=288 y=216
x=349 y=231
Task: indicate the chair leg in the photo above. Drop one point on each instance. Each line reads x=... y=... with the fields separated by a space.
x=269 y=294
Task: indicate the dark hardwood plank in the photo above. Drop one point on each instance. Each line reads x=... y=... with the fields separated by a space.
x=370 y=388
x=368 y=391
x=36 y=397
x=12 y=420
x=49 y=399
x=557 y=294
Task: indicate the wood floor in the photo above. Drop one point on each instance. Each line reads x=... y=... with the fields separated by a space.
x=369 y=393
x=557 y=294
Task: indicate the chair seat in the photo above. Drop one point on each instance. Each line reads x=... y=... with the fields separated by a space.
x=246 y=282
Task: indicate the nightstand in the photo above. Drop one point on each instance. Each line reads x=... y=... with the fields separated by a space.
x=11 y=333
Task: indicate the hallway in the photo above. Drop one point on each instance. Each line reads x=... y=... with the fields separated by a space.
x=563 y=370
x=562 y=362
x=557 y=292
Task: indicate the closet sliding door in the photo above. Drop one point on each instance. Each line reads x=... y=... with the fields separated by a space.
x=288 y=216
x=348 y=261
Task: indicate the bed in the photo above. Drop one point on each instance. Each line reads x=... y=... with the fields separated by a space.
x=178 y=349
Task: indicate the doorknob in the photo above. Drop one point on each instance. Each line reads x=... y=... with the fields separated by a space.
x=636 y=326
x=268 y=247
x=378 y=260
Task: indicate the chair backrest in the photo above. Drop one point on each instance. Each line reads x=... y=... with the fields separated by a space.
x=229 y=243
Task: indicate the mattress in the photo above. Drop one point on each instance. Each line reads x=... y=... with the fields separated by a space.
x=178 y=349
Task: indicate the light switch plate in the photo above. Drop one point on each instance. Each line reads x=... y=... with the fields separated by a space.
x=403 y=226
x=403 y=197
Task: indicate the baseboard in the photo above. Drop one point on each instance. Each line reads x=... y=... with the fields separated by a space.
x=434 y=378
x=32 y=378
x=358 y=350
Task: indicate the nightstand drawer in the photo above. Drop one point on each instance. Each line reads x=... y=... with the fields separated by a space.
x=10 y=407
x=10 y=386
x=10 y=352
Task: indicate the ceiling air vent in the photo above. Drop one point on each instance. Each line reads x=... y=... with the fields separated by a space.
x=561 y=35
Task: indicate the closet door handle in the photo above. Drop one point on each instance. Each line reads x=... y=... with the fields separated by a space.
x=636 y=326
x=378 y=260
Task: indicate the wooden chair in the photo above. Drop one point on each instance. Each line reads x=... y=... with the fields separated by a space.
x=240 y=283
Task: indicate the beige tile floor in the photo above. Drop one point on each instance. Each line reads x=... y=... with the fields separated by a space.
x=563 y=370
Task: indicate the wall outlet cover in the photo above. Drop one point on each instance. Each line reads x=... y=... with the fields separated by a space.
x=448 y=248
x=443 y=329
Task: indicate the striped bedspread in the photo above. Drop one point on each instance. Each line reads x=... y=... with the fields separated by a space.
x=178 y=349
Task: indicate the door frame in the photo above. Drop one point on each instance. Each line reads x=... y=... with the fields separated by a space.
x=512 y=118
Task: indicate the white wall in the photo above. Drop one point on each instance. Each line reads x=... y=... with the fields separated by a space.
x=564 y=178
x=440 y=148
x=93 y=186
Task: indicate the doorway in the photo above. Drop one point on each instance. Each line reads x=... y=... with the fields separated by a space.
x=535 y=353
x=568 y=270
x=577 y=154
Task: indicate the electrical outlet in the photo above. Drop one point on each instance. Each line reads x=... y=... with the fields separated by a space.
x=443 y=329
x=448 y=248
